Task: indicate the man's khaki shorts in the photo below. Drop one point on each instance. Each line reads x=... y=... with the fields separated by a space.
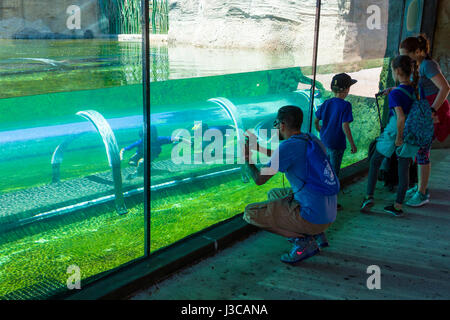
x=280 y=214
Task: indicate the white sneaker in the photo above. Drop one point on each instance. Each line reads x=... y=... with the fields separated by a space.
x=413 y=190
x=417 y=200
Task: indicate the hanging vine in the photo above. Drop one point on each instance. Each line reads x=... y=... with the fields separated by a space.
x=120 y=16
x=160 y=16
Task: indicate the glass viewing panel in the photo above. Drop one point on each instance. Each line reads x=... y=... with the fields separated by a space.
x=216 y=73
x=71 y=100
x=355 y=37
x=71 y=105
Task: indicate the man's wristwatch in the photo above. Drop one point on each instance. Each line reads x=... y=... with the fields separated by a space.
x=433 y=110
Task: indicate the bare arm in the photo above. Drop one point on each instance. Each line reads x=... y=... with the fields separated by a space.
x=254 y=172
x=348 y=134
x=400 y=125
x=265 y=151
x=444 y=89
x=317 y=124
x=256 y=146
x=256 y=175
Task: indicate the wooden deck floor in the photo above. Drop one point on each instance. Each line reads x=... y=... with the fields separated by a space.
x=411 y=252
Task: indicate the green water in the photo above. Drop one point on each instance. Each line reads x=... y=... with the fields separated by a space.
x=44 y=83
x=72 y=65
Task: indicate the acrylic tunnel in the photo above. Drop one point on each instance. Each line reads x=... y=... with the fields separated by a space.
x=79 y=145
x=218 y=116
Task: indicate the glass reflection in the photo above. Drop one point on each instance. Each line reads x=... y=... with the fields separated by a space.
x=71 y=98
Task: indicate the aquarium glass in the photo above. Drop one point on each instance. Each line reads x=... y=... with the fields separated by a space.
x=206 y=80
x=72 y=205
x=228 y=65
x=359 y=38
x=70 y=101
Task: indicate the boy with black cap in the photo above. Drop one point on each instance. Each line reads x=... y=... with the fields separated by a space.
x=336 y=115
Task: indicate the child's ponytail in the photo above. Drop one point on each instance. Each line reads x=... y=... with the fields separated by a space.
x=415 y=77
x=408 y=67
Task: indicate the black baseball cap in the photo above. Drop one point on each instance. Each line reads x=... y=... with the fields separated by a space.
x=342 y=81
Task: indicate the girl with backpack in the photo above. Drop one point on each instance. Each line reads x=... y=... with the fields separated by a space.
x=435 y=89
x=400 y=104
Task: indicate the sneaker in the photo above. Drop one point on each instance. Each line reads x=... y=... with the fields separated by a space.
x=417 y=200
x=395 y=212
x=321 y=239
x=302 y=248
x=367 y=204
x=413 y=190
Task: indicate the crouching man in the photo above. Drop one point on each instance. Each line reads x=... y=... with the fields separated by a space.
x=301 y=213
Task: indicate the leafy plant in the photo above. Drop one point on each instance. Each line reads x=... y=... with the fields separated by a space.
x=122 y=16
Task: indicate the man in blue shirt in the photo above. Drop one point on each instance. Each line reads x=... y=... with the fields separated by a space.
x=299 y=214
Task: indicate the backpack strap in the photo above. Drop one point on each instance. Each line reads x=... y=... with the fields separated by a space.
x=409 y=95
x=306 y=138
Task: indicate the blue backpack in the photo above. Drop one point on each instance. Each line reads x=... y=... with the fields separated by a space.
x=419 y=127
x=321 y=176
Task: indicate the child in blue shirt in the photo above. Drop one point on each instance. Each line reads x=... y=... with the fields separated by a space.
x=336 y=115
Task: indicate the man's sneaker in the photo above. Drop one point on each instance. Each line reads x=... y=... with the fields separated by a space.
x=367 y=204
x=321 y=239
x=417 y=200
x=302 y=248
x=413 y=190
x=395 y=212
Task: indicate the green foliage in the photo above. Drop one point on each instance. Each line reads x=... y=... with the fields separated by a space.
x=122 y=16
x=160 y=16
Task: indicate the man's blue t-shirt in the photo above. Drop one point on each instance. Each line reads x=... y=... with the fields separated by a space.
x=291 y=154
x=427 y=70
x=333 y=113
x=397 y=98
